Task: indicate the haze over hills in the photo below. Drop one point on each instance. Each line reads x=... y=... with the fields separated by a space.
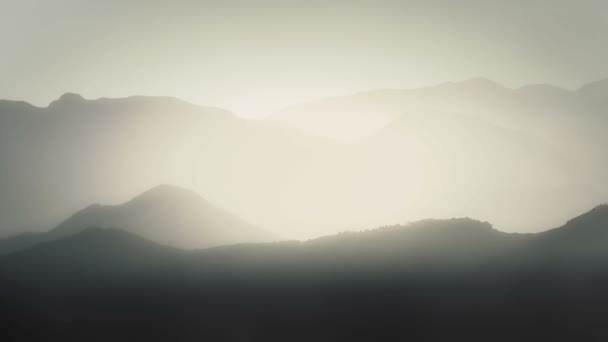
x=438 y=152
x=303 y=171
x=525 y=108
x=169 y=215
x=568 y=120
x=75 y=152
x=454 y=245
x=463 y=135
x=165 y=214
x=431 y=245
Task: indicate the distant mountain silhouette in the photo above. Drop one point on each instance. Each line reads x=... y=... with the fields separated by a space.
x=595 y=91
x=448 y=244
x=523 y=108
x=169 y=215
x=78 y=151
x=166 y=214
x=59 y=152
x=462 y=148
x=452 y=245
x=455 y=136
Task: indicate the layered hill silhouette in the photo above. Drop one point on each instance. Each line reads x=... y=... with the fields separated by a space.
x=451 y=245
x=99 y=251
x=447 y=245
x=169 y=215
x=166 y=214
x=461 y=277
x=76 y=151
x=555 y=135
x=526 y=108
x=467 y=148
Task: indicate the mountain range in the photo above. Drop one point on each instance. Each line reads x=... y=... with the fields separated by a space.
x=450 y=244
x=456 y=142
x=109 y=150
x=443 y=151
x=526 y=108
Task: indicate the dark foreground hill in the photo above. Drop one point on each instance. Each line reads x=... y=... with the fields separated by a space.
x=434 y=280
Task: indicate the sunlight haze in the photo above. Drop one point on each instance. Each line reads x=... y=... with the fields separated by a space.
x=255 y=58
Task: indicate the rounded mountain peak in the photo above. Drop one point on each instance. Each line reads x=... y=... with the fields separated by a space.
x=67 y=99
x=167 y=193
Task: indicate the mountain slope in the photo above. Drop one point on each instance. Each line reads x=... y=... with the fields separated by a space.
x=470 y=148
x=450 y=275
x=529 y=107
x=166 y=214
x=21 y=241
x=451 y=245
x=77 y=151
x=169 y=215
x=94 y=255
x=581 y=244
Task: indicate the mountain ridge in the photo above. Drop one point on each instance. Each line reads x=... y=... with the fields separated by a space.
x=271 y=174
x=165 y=214
x=451 y=244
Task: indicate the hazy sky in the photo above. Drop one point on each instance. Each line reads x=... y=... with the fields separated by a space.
x=257 y=56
